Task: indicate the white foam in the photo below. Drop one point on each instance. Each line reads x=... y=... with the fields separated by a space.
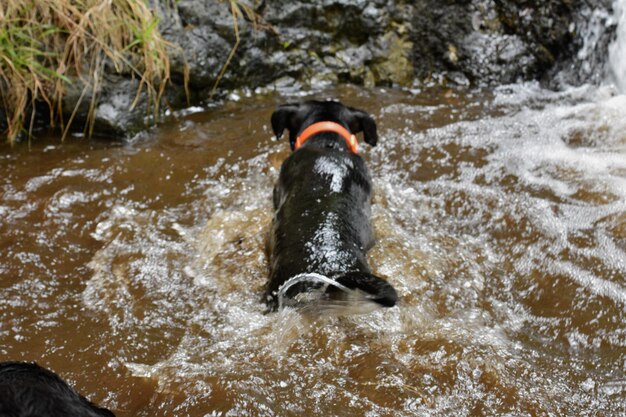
x=617 y=50
x=478 y=225
x=334 y=170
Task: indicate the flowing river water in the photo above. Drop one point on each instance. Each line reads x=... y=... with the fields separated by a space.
x=135 y=270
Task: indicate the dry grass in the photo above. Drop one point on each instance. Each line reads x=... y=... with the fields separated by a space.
x=45 y=44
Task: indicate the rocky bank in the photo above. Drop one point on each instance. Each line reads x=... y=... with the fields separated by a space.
x=296 y=45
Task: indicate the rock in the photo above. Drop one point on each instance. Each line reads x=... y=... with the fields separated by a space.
x=492 y=42
x=299 y=44
x=203 y=51
x=592 y=29
x=114 y=114
x=393 y=63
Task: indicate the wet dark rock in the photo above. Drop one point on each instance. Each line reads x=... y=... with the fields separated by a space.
x=111 y=114
x=3 y=120
x=204 y=52
x=369 y=42
x=593 y=29
x=114 y=114
x=544 y=26
x=493 y=42
x=437 y=30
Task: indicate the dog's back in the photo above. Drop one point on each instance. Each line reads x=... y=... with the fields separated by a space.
x=322 y=222
x=322 y=202
x=28 y=390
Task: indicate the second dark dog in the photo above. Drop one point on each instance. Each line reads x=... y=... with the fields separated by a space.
x=321 y=230
x=28 y=390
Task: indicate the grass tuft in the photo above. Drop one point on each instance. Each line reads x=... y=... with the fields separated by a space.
x=47 y=44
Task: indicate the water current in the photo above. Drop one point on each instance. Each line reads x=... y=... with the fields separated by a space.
x=135 y=270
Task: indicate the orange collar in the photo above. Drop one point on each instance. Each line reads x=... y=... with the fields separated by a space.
x=320 y=127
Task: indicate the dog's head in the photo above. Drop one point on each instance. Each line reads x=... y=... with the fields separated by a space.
x=296 y=117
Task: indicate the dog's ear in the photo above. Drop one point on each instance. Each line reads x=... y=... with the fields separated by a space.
x=283 y=118
x=363 y=122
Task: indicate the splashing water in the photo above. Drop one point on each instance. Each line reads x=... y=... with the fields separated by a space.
x=617 y=50
x=499 y=218
x=314 y=298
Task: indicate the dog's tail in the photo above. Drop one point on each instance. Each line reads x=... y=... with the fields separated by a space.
x=372 y=288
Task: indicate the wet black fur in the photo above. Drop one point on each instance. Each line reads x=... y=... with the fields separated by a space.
x=28 y=390
x=304 y=201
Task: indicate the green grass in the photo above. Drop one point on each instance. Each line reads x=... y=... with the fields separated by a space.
x=47 y=44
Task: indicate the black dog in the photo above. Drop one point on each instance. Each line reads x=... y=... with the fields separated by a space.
x=322 y=202
x=28 y=390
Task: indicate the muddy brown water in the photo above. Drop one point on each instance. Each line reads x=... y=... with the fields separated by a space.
x=135 y=270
